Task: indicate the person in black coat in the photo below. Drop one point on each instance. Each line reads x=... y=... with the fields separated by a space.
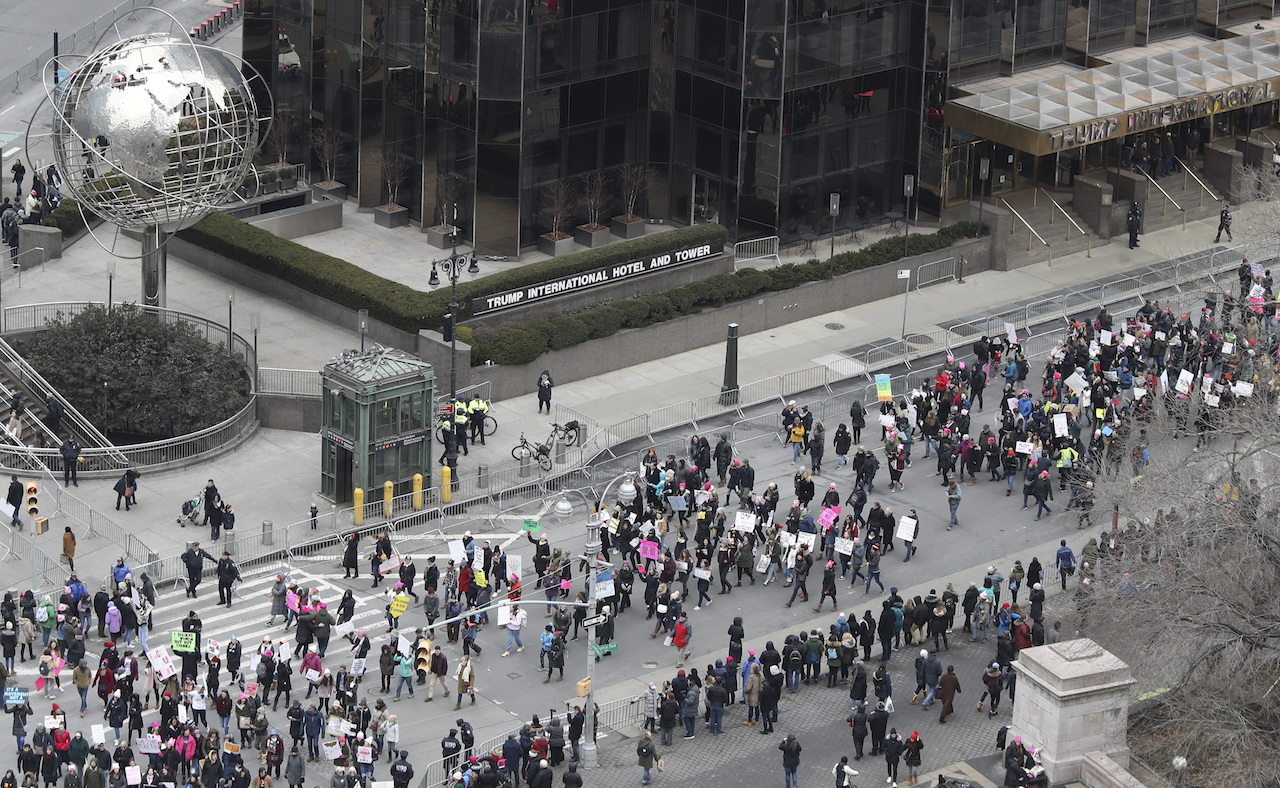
x=351 y=556
x=878 y=722
x=858 y=723
x=857 y=420
x=545 y=384
x=769 y=695
x=867 y=634
x=892 y=748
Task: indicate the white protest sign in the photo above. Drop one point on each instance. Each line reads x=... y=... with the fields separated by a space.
x=806 y=540
x=702 y=573
x=51 y=723
x=149 y=745
x=1160 y=335
x=744 y=521
x=504 y=615
x=844 y=546
x=1185 y=379
x=1060 y=425
x=404 y=646
x=1228 y=348
x=1243 y=389
x=906 y=529
x=1212 y=400
x=457 y=551
x=1012 y=402
x=98 y=733
x=312 y=675
x=364 y=754
x=337 y=725
x=1105 y=337
x=1011 y=331
x=1129 y=339
x=1139 y=393
x=1075 y=382
x=332 y=750
x=357 y=667
x=161 y=662
x=1023 y=447
x=343 y=629
x=886 y=420
x=133 y=775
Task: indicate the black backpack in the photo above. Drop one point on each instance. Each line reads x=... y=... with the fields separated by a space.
x=794 y=659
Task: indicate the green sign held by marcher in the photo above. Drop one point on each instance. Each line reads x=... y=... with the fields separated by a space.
x=183 y=641
x=532 y=525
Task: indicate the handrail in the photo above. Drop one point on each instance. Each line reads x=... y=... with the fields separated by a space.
x=1014 y=211
x=1067 y=216
x=1203 y=186
x=43 y=387
x=1164 y=209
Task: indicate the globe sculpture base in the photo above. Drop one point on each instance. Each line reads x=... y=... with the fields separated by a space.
x=155 y=265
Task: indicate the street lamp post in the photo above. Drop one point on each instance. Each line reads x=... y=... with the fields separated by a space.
x=452 y=266
x=564 y=510
x=908 y=189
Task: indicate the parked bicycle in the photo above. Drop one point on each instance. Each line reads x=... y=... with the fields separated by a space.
x=444 y=421
x=566 y=434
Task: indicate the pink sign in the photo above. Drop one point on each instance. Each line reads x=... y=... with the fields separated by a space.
x=648 y=549
x=828 y=516
x=291 y=601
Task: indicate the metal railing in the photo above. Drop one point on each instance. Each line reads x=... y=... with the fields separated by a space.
x=1032 y=234
x=290 y=382
x=1203 y=186
x=614 y=715
x=756 y=249
x=1164 y=207
x=25 y=373
x=936 y=271
x=1070 y=222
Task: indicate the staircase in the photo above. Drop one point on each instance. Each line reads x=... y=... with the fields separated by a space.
x=17 y=377
x=1039 y=211
x=1183 y=190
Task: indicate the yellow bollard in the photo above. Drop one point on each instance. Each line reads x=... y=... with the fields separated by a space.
x=388 y=494
x=417 y=492
x=357 y=501
x=446 y=476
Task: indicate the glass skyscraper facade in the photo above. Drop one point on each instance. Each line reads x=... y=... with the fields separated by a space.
x=750 y=113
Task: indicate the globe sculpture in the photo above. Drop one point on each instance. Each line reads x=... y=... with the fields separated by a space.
x=152 y=133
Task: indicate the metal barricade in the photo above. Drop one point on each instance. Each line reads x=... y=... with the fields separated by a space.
x=290 y=382
x=756 y=249
x=670 y=416
x=804 y=380
x=934 y=272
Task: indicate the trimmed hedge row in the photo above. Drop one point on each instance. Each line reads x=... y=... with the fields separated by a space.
x=66 y=217
x=523 y=344
x=400 y=305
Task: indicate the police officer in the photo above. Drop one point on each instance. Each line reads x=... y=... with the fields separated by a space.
x=228 y=573
x=1224 y=223
x=450 y=750
x=460 y=424
x=401 y=771
x=1135 y=224
x=476 y=411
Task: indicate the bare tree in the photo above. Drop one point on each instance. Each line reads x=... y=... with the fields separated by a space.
x=283 y=133
x=593 y=197
x=394 y=170
x=559 y=203
x=445 y=189
x=330 y=147
x=633 y=182
x=1188 y=592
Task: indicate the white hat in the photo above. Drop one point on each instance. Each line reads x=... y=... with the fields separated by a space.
x=924 y=653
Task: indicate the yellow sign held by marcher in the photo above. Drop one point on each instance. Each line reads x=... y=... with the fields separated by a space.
x=398 y=605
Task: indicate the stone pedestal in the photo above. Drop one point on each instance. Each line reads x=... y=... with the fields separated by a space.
x=1073 y=698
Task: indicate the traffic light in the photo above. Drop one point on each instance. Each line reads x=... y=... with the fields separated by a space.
x=33 y=499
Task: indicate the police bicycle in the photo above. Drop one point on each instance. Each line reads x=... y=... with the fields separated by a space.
x=444 y=421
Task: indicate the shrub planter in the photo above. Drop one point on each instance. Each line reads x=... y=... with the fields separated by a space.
x=271 y=187
x=391 y=215
x=330 y=189
x=285 y=174
x=627 y=226
x=591 y=235
x=555 y=245
x=440 y=236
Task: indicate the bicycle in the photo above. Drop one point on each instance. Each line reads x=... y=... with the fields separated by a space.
x=445 y=421
x=566 y=434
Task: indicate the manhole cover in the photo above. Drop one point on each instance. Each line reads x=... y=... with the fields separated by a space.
x=513 y=675
x=920 y=339
x=835 y=326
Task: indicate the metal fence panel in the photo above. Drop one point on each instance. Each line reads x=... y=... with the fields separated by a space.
x=756 y=249
x=934 y=272
x=760 y=391
x=290 y=382
x=671 y=415
x=804 y=380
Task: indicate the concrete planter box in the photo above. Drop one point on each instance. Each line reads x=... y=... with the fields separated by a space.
x=591 y=235
x=440 y=236
x=550 y=245
x=391 y=215
x=290 y=182
x=626 y=227
x=330 y=189
x=271 y=187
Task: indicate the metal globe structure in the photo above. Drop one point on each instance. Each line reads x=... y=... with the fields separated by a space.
x=152 y=133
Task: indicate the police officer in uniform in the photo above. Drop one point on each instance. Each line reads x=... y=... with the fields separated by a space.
x=460 y=424
x=1135 y=224
x=476 y=411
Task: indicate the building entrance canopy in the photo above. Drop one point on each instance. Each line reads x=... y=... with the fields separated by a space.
x=1125 y=98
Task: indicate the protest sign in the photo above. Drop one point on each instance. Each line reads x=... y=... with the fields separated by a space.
x=844 y=546
x=648 y=549
x=399 y=604
x=884 y=388
x=161 y=662
x=744 y=521
x=906 y=530
x=183 y=641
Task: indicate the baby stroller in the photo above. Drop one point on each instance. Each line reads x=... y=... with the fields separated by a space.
x=191 y=509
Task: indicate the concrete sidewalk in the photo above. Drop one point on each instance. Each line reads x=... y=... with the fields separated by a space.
x=274 y=475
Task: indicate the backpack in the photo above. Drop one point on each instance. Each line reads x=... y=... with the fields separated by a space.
x=832 y=654
x=794 y=659
x=42 y=615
